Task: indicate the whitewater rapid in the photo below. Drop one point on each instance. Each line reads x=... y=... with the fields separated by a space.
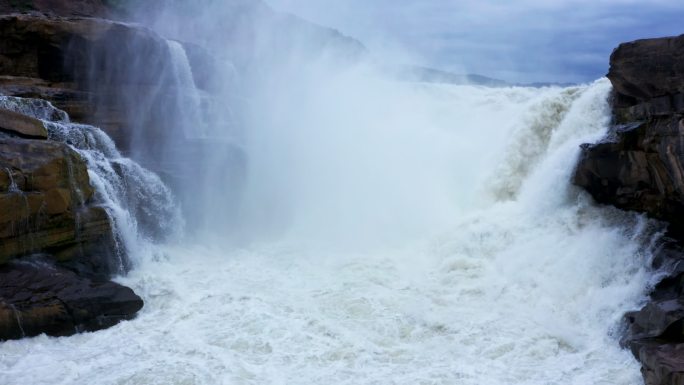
x=492 y=268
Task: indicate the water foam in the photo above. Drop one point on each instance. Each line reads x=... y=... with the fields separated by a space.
x=521 y=287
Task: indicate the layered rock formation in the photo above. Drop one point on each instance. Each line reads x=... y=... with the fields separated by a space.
x=123 y=77
x=48 y=209
x=81 y=65
x=58 y=244
x=47 y=205
x=639 y=166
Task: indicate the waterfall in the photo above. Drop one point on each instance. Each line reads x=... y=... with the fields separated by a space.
x=141 y=208
x=188 y=103
x=362 y=230
x=414 y=248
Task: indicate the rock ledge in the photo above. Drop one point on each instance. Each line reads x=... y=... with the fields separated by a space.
x=639 y=166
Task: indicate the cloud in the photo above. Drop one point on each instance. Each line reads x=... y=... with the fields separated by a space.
x=522 y=40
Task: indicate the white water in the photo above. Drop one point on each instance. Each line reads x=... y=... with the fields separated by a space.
x=141 y=208
x=412 y=234
x=188 y=103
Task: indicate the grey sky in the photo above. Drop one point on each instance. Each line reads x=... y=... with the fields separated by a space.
x=515 y=40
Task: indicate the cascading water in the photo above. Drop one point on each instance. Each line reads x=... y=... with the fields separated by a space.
x=398 y=233
x=350 y=229
x=141 y=208
x=188 y=104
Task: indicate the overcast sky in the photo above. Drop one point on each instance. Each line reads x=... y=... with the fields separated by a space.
x=514 y=40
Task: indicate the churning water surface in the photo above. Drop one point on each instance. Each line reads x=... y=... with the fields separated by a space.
x=423 y=234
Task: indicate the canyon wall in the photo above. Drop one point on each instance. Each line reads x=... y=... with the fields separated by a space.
x=639 y=166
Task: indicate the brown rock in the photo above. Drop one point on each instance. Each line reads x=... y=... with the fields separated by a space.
x=83 y=66
x=49 y=209
x=5 y=180
x=57 y=200
x=42 y=165
x=22 y=124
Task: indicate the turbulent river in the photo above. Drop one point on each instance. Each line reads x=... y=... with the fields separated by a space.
x=419 y=234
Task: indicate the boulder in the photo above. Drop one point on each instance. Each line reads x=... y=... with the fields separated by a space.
x=37 y=297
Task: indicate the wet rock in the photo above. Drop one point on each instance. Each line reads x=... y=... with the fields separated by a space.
x=659 y=318
x=45 y=206
x=639 y=166
x=37 y=297
x=122 y=77
x=21 y=124
x=662 y=361
x=82 y=65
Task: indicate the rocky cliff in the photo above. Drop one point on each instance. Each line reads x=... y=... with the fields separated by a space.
x=58 y=246
x=57 y=243
x=80 y=65
x=63 y=61
x=639 y=166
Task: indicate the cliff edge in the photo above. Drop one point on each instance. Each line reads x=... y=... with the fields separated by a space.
x=639 y=166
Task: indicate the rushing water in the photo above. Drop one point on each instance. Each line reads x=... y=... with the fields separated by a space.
x=141 y=208
x=391 y=234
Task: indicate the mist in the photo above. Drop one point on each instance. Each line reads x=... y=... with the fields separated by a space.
x=345 y=225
